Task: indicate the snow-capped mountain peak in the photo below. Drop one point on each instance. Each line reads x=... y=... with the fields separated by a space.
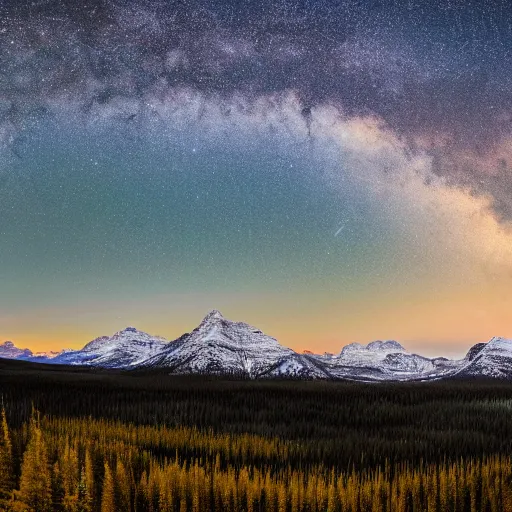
x=126 y=348
x=379 y=360
x=213 y=316
x=352 y=347
x=491 y=359
x=129 y=329
x=9 y=351
x=219 y=345
x=96 y=343
x=222 y=346
x=499 y=344
x=126 y=335
x=130 y=332
x=388 y=346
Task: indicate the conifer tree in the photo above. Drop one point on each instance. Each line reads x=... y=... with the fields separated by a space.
x=86 y=485
x=84 y=502
x=123 y=487
x=6 y=461
x=331 y=497
x=35 y=490
x=281 y=498
x=57 y=488
x=108 y=503
x=70 y=478
x=141 y=498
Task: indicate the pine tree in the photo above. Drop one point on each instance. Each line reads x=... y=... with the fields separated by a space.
x=35 y=482
x=141 y=494
x=281 y=498
x=6 y=461
x=123 y=487
x=108 y=503
x=86 y=485
x=70 y=478
x=84 y=502
x=331 y=497
x=58 y=491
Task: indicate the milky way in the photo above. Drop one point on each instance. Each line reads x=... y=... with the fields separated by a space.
x=303 y=151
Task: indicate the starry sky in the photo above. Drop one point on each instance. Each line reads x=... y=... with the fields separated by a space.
x=330 y=171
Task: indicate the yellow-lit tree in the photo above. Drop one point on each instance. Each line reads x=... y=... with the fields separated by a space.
x=6 y=462
x=35 y=490
x=108 y=503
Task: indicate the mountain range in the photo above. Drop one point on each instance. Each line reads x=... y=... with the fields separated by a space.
x=220 y=346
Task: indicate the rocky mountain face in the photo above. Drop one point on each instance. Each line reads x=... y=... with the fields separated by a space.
x=381 y=360
x=223 y=347
x=220 y=346
x=125 y=349
x=492 y=359
x=474 y=351
x=9 y=351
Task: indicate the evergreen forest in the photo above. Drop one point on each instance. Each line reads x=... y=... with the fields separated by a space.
x=85 y=440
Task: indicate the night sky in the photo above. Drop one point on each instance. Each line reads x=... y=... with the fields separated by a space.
x=328 y=171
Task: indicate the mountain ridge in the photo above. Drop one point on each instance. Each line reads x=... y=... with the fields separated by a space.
x=220 y=346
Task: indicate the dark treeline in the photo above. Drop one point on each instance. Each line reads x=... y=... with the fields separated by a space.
x=342 y=425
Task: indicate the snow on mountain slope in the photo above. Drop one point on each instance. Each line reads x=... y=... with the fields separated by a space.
x=125 y=349
x=492 y=359
x=359 y=355
x=474 y=351
x=9 y=351
x=44 y=357
x=389 y=346
x=380 y=360
x=219 y=346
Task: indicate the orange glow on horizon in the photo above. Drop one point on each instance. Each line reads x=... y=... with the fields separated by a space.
x=446 y=324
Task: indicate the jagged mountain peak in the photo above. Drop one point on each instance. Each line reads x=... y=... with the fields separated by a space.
x=96 y=342
x=125 y=348
x=499 y=343
x=474 y=351
x=491 y=359
x=215 y=328
x=387 y=345
x=214 y=317
x=130 y=329
x=496 y=346
x=374 y=346
x=130 y=332
x=9 y=350
x=219 y=345
x=216 y=324
x=380 y=360
x=352 y=347
x=125 y=335
x=214 y=314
